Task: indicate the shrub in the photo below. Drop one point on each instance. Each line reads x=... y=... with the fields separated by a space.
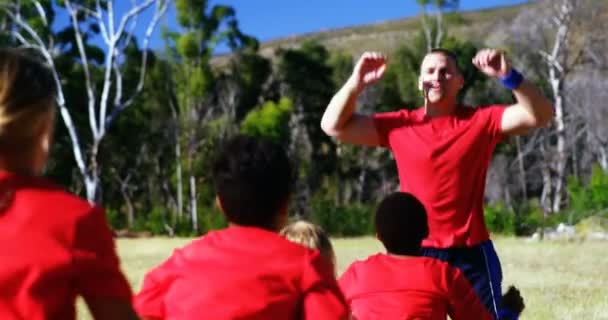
x=500 y=219
x=350 y=220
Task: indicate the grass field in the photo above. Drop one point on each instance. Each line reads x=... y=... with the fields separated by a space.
x=558 y=280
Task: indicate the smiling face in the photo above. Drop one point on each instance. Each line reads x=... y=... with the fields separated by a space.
x=440 y=79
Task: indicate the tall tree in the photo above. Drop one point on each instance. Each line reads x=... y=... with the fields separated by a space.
x=88 y=18
x=434 y=33
x=306 y=79
x=201 y=94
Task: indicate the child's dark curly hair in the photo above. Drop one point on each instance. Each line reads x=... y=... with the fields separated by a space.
x=253 y=180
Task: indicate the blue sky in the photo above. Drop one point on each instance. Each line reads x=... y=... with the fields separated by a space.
x=271 y=19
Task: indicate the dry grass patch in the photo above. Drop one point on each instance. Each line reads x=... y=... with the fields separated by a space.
x=558 y=280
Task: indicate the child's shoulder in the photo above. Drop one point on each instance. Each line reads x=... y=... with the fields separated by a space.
x=47 y=202
x=435 y=264
x=247 y=241
x=50 y=196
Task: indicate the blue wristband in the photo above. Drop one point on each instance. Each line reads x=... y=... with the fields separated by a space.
x=512 y=80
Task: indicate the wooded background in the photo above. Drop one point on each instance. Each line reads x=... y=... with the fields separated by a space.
x=137 y=128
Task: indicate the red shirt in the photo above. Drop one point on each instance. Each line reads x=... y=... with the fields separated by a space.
x=443 y=162
x=242 y=273
x=390 y=287
x=55 y=246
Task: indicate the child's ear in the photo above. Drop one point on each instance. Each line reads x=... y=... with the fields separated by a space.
x=218 y=203
x=283 y=215
x=419 y=83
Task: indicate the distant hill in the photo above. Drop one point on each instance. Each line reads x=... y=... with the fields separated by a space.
x=389 y=35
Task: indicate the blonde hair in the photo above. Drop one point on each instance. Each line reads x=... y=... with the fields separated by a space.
x=311 y=236
x=27 y=91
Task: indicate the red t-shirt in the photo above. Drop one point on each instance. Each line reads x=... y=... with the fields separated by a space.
x=390 y=287
x=55 y=246
x=242 y=273
x=443 y=162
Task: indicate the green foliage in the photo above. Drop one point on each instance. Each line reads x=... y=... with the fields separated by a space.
x=346 y=220
x=306 y=77
x=270 y=121
x=529 y=218
x=188 y=45
x=402 y=78
x=251 y=71
x=454 y=19
x=500 y=219
x=342 y=65
x=590 y=199
x=154 y=222
x=114 y=219
x=211 y=218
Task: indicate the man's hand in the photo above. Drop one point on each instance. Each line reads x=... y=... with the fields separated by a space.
x=369 y=69
x=492 y=63
x=513 y=301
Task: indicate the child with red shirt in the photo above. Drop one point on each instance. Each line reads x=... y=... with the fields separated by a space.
x=402 y=284
x=55 y=246
x=246 y=271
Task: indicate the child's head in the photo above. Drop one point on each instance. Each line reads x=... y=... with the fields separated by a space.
x=253 y=178
x=27 y=92
x=401 y=224
x=311 y=236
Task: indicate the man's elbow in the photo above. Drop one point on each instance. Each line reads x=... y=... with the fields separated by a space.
x=329 y=128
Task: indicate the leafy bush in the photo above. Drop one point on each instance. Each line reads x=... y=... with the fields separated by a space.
x=500 y=219
x=211 y=218
x=588 y=200
x=153 y=222
x=270 y=121
x=350 y=220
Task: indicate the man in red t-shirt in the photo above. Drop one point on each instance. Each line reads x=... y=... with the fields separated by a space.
x=402 y=284
x=247 y=271
x=443 y=151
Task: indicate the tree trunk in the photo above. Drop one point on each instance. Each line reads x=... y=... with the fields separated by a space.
x=439 y=34
x=522 y=170
x=180 y=191
x=130 y=209
x=560 y=151
x=603 y=158
x=193 y=204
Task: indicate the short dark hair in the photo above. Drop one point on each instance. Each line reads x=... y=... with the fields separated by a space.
x=445 y=52
x=401 y=223
x=253 y=179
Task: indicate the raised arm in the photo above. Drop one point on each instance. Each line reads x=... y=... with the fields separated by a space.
x=531 y=110
x=340 y=120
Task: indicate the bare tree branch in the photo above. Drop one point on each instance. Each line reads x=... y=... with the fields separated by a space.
x=161 y=8
x=85 y=66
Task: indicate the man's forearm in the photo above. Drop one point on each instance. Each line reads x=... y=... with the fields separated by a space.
x=533 y=100
x=341 y=108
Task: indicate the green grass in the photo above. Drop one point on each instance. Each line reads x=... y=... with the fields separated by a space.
x=558 y=280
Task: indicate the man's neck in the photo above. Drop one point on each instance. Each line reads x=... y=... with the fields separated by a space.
x=440 y=109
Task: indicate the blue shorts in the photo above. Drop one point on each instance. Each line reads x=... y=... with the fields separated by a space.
x=480 y=265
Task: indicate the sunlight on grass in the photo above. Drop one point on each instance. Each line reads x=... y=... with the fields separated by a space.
x=559 y=280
